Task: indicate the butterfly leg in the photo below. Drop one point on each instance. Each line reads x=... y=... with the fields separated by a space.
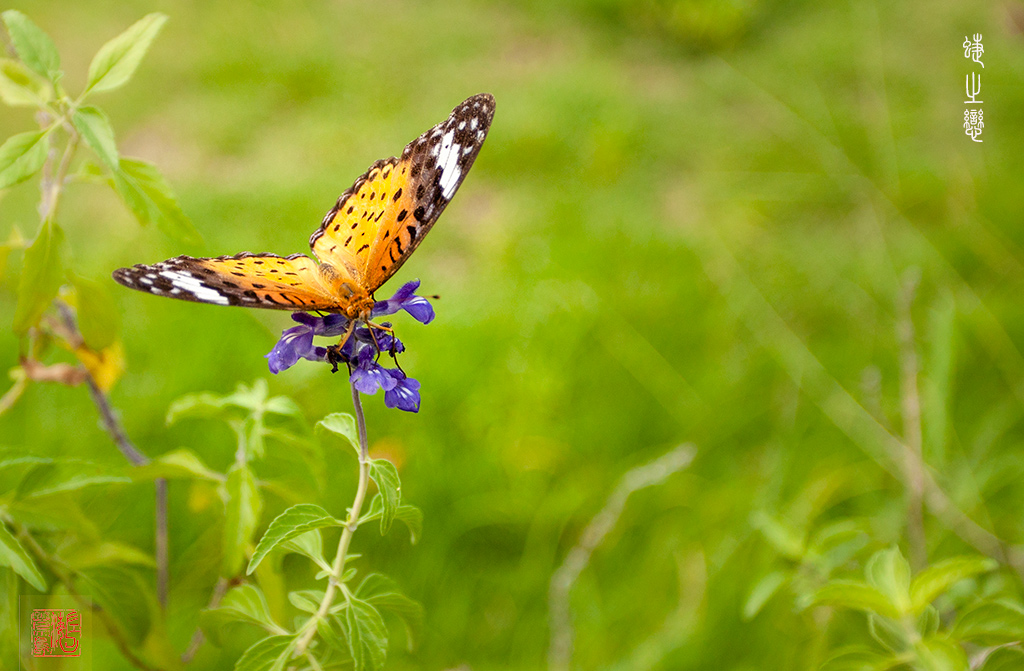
x=334 y=351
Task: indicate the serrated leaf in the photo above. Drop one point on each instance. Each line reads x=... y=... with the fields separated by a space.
x=295 y=521
x=306 y=600
x=310 y=544
x=243 y=505
x=94 y=127
x=243 y=604
x=41 y=275
x=33 y=45
x=411 y=516
x=856 y=595
x=116 y=61
x=21 y=87
x=384 y=473
x=991 y=623
x=175 y=465
x=384 y=594
x=270 y=654
x=22 y=156
x=366 y=634
x=942 y=575
x=151 y=199
x=98 y=318
x=13 y=554
x=765 y=588
x=888 y=571
x=341 y=424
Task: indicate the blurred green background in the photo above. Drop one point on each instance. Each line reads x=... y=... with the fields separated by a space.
x=692 y=221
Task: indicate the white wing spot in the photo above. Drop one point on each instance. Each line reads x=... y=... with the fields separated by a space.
x=186 y=282
x=145 y=280
x=473 y=124
x=448 y=160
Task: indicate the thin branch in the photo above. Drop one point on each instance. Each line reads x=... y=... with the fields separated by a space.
x=647 y=475
x=910 y=399
x=351 y=524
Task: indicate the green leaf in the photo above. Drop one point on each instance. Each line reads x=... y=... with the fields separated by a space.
x=98 y=318
x=942 y=575
x=384 y=473
x=270 y=654
x=1004 y=659
x=243 y=604
x=410 y=515
x=41 y=275
x=310 y=544
x=243 y=505
x=22 y=156
x=306 y=600
x=939 y=654
x=151 y=199
x=34 y=47
x=786 y=539
x=14 y=555
x=85 y=554
x=889 y=572
x=117 y=60
x=59 y=476
x=889 y=634
x=340 y=424
x=203 y=404
x=858 y=659
x=366 y=634
x=384 y=594
x=94 y=127
x=991 y=623
x=856 y=595
x=123 y=594
x=289 y=524
x=176 y=465
x=928 y=621
x=762 y=592
x=21 y=87
x=282 y=405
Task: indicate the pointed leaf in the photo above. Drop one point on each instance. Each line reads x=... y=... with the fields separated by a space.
x=940 y=654
x=94 y=127
x=410 y=515
x=306 y=600
x=243 y=505
x=34 y=47
x=889 y=572
x=243 y=604
x=856 y=595
x=890 y=634
x=366 y=634
x=152 y=200
x=21 y=87
x=310 y=544
x=1004 y=659
x=22 y=156
x=177 y=464
x=289 y=524
x=384 y=473
x=991 y=623
x=41 y=276
x=384 y=594
x=270 y=654
x=340 y=424
x=14 y=555
x=942 y=575
x=116 y=61
x=762 y=592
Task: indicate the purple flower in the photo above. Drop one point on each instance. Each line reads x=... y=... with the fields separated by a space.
x=361 y=351
x=405 y=395
x=404 y=299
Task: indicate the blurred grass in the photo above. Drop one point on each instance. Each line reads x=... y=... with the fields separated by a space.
x=645 y=162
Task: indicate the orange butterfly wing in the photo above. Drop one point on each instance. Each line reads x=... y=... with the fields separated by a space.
x=251 y=280
x=381 y=220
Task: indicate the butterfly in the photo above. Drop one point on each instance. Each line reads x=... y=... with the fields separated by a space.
x=366 y=237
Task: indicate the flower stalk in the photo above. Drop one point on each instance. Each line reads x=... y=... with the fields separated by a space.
x=351 y=524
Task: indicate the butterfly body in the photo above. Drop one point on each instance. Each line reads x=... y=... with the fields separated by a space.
x=365 y=238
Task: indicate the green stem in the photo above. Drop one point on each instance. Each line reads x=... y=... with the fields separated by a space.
x=351 y=524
